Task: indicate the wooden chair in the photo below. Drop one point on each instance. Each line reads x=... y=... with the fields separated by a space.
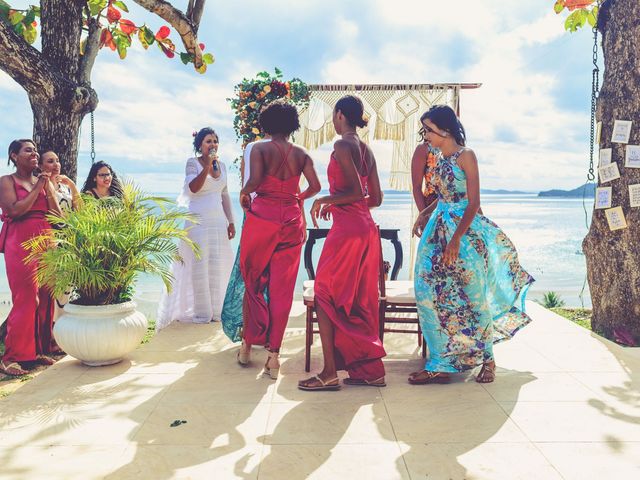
x=395 y=296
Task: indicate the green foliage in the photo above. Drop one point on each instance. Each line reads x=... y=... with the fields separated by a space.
x=552 y=300
x=117 y=33
x=580 y=316
x=100 y=248
x=582 y=12
x=252 y=94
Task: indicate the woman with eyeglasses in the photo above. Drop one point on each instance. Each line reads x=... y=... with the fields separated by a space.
x=200 y=284
x=469 y=285
x=102 y=181
x=25 y=200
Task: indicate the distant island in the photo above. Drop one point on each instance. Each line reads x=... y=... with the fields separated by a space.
x=575 y=193
x=504 y=192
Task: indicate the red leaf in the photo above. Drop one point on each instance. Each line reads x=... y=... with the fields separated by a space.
x=163 y=33
x=113 y=14
x=201 y=45
x=34 y=24
x=127 y=26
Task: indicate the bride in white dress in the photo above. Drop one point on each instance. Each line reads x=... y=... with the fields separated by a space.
x=199 y=286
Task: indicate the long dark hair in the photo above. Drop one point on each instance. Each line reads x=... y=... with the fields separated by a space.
x=15 y=146
x=115 y=189
x=445 y=119
x=352 y=108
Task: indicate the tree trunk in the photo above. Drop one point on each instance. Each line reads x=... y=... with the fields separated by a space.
x=613 y=257
x=57 y=128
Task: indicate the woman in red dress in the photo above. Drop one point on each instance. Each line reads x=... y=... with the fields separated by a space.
x=346 y=285
x=273 y=232
x=25 y=200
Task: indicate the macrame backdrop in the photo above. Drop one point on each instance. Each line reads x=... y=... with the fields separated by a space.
x=394 y=114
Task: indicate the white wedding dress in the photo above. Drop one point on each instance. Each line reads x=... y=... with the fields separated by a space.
x=199 y=286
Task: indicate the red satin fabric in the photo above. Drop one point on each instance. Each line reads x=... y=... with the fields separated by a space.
x=270 y=247
x=346 y=285
x=30 y=321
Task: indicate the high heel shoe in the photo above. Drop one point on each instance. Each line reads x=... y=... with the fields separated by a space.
x=244 y=354
x=271 y=372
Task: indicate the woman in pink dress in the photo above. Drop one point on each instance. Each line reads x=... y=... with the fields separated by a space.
x=346 y=285
x=25 y=199
x=273 y=232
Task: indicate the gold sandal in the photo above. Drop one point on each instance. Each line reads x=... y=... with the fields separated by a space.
x=13 y=369
x=321 y=385
x=487 y=373
x=426 y=377
x=271 y=372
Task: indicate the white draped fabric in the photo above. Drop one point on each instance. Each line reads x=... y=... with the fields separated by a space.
x=199 y=285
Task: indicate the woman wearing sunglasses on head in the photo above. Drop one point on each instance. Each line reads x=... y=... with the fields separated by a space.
x=467 y=276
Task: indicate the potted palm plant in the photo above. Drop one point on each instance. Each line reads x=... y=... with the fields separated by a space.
x=98 y=251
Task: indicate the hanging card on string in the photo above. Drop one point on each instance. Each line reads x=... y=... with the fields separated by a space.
x=605 y=156
x=603 y=197
x=634 y=195
x=632 y=158
x=598 y=132
x=615 y=218
x=621 y=131
x=608 y=172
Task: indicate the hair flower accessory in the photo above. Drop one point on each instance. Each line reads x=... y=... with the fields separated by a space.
x=195 y=132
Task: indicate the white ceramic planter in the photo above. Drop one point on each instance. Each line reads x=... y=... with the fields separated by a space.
x=100 y=335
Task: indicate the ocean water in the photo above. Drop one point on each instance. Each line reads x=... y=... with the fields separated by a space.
x=547 y=232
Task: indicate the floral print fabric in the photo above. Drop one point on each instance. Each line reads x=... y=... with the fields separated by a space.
x=466 y=307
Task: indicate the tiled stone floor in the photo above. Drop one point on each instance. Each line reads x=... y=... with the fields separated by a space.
x=565 y=405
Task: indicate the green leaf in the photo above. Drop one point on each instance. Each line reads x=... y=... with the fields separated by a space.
x=121 y=6
x=592 y=18
x=18 y=28
x=121 y=44
x=559 y=6
x=576 y=20
x=4 y=8
x=31 y=16
x=96 y=6
x=186 y=58
x=30 y=34
x=15 y=18
x=208 y=58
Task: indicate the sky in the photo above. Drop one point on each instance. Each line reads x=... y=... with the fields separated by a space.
x=528 y=123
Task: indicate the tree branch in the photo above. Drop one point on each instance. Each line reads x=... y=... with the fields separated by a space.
x=91 y=49
x=26 y=65
x=194 y=13
x=185 y=27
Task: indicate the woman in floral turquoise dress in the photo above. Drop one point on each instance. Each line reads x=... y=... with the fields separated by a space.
x=469 y=285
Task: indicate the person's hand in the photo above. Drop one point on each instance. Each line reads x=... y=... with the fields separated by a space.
x=418 y=226
x=44 y=181
x=64 y=180
x=315 y=211
x=245 y=201
x=325 y=212
x=231 y=231
x=451 y=251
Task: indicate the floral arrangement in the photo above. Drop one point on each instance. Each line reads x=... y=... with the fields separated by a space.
x=252 y=94
x=431 y=163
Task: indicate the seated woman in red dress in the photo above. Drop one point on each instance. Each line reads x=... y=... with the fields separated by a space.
x=25 y=200
x=273 y=232
x=346 y=285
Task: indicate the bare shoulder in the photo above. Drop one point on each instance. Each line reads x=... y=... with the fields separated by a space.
x=5 y=180
x=467 y=157
x=422 y=150
x=342 y=145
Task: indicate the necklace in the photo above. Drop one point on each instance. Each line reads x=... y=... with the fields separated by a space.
x=28 y=179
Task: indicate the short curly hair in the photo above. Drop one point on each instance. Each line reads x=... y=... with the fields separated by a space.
x=279 y=117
